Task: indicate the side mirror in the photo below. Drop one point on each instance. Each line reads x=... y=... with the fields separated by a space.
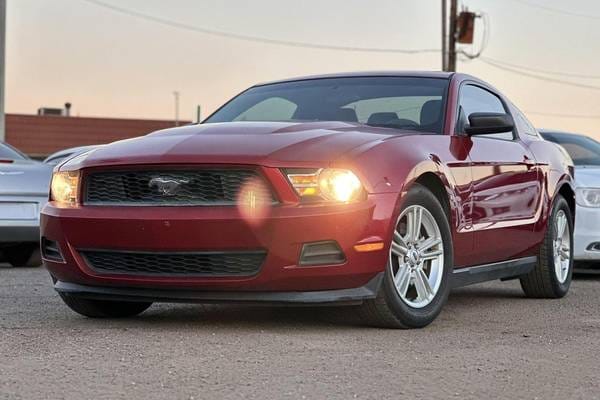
x=489 y=123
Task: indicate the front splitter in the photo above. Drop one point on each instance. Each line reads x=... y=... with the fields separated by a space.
x=320 y=297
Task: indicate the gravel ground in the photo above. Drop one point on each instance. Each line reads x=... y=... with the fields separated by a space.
x=488 y=342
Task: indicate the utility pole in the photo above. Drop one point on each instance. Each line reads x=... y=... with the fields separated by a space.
x=451 y=66
x=176 y=94
x=198 y=114
x=2 y=67
x=444 y=35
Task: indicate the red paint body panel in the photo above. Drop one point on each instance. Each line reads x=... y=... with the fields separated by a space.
x=499 y=194
x=282 y=232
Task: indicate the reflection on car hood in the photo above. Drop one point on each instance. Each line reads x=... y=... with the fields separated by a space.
x=25 y=177
x=587 y=176
x=263 y=143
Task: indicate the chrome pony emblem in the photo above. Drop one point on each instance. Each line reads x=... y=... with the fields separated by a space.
x=167 y=186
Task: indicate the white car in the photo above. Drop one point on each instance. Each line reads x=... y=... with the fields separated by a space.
x=24 y=185
x=585 y=153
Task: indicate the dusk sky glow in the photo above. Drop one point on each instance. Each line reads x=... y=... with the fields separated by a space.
x=115 y=65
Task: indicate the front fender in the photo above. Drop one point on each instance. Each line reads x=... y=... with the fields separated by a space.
x=394 y=165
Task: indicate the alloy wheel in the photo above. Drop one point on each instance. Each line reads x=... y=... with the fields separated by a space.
x=562 y=247
x=417 y=257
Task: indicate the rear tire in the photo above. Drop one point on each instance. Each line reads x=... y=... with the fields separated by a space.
x=544 y=281
x=391 y=310
x=103 y=308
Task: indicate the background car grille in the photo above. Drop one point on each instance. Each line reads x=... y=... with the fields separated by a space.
x=175 y=264
x=193 y=187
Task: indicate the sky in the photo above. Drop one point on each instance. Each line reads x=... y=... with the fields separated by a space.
x=115 y=65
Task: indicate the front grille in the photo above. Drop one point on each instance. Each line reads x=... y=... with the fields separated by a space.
x=210 y=264
x=176 y=187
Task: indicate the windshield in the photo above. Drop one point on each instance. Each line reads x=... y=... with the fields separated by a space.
x=393 y=102
x=8 y=153
x=582 y=149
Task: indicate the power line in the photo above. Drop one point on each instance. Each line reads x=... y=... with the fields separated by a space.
x=258 y=39
x=556 y=10
x=514 y=68
x=542 y=78
x=543 y=71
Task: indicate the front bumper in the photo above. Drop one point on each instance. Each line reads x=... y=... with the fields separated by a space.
x=282 y=232
x=587 y=233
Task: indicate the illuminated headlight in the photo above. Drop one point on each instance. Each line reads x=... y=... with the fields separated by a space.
x=588 y=197
x=65 y=187
x=331 y=184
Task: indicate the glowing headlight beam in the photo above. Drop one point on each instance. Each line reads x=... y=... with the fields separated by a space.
x=64 y=188
x=333 y=184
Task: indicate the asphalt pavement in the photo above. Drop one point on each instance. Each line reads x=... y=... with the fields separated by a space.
x=489 y=342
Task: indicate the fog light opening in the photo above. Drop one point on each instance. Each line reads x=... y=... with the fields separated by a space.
x=322 y=253
x=51 y=251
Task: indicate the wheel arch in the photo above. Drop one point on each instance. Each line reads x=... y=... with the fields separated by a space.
x=567 y=191
x=395 y=165
x=436 y=186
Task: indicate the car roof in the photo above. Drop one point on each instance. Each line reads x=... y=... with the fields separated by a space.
x=367 y=74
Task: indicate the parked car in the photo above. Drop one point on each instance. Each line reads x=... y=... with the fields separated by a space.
x=24 y=185
x=381 y=190
x=62 y=155
x=585 y=153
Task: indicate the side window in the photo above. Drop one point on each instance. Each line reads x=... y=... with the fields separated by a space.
x=271 y=109
x=475 y=99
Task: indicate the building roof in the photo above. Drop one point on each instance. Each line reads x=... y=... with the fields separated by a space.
x=39 y=135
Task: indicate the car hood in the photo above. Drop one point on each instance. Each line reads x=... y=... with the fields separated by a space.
x=25 y=177
x=263 y=143
x=587 y=177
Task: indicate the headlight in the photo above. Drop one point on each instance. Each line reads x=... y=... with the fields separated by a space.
x=588 y=197
x=331 y=184
x=65 y=187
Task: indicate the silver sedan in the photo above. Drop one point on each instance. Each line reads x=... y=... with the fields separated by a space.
x=24 y=185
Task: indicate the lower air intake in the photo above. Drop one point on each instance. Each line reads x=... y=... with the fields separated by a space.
x=210 y=264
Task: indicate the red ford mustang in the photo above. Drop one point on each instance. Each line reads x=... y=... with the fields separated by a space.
x=378 y=190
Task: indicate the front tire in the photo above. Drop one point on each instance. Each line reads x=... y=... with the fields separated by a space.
x=551 y=278
x=416 y=283
x=103 y=308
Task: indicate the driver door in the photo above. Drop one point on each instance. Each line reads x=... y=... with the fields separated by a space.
x=505 y=191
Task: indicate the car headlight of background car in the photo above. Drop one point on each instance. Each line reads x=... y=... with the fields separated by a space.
x=331 y=184
x=64 y=188
x=587 y=197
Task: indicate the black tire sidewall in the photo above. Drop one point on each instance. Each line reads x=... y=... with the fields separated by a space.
x=20 y=255
x=103 y=308
x=419 y=317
